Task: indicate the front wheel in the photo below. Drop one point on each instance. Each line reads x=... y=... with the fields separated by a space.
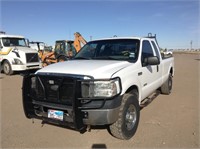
x=126 y=125
x=7 y=69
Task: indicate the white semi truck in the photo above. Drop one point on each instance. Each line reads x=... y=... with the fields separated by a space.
x=105 y=84
x=16 y=55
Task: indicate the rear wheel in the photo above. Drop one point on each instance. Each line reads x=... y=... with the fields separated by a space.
x=7 y=69
x=166 y=88
x=126 y=125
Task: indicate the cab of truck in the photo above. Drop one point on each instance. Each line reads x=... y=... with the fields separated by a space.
x=16 y=55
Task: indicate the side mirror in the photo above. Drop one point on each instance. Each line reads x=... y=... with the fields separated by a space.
x=27 y=42
x=153 y=60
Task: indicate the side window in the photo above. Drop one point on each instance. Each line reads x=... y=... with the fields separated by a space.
x=147 y=50
x=156 y=49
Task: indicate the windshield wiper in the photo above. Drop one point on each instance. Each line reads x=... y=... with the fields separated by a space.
x=106 y=58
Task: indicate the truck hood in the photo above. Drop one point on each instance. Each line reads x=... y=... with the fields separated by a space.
x=94 y=68
x=25 y=49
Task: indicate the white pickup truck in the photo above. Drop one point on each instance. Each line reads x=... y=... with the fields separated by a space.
x=15 y=55
x=105 y=84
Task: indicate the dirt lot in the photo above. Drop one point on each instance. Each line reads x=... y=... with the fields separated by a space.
x=168 y=122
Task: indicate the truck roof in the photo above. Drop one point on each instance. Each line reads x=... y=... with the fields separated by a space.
x=113 y=38
x=11 y=36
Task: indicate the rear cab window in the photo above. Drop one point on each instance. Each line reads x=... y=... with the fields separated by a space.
x=156 y=49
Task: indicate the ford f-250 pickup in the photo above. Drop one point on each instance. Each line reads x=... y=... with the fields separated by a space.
x=105 y=84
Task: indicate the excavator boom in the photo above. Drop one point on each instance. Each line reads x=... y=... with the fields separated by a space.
x=78 y=40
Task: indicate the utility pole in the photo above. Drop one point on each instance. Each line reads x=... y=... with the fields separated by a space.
x=191 y=45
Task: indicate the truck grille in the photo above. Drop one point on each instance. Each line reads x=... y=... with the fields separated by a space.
x=32 y=57
x=54 y=89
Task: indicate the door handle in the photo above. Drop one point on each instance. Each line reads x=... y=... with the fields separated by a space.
x=157 y=68
x=139 y=73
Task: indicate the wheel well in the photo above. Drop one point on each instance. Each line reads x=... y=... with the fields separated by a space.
x=4 y=61
x=133 y=88
x=1 y=64
x=171 y=71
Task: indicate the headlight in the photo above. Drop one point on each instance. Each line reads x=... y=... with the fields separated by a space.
x=101 y=88
x=17 y=62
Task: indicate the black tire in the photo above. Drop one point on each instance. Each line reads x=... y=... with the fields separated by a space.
x=166 y=88
x=62 y=59
x=7 y=69
x=126 y=125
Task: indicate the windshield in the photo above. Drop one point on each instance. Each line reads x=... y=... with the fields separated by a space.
x=117 y=49
x=8 y=42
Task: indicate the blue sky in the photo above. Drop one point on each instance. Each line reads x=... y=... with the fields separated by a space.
x=175 y=22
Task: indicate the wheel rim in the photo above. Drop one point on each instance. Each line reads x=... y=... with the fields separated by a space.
x=6 y=68
x=131 y=117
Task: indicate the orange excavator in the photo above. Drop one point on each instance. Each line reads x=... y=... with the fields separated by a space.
x=78 y=40
x=64 y=50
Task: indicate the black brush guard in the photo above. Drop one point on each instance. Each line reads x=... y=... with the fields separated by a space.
x=36 y=105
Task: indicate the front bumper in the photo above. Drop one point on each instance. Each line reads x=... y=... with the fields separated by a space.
x=26 y=66
x=77 y=115
x=101 y=116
